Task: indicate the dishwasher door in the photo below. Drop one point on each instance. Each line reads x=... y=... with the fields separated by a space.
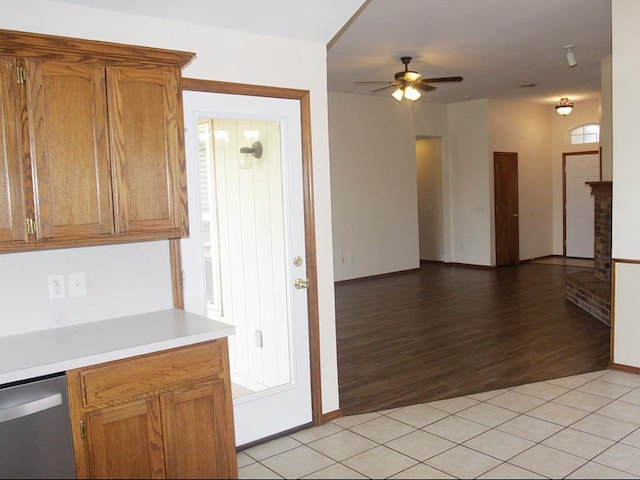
x=35 y=430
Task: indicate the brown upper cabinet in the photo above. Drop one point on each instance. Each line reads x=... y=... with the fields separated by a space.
x=92 y=143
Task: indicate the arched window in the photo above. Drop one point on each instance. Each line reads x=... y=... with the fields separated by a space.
x=589 y=133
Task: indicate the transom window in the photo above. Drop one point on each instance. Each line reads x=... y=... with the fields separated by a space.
x=589 y=133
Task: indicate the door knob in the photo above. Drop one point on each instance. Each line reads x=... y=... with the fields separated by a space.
x=301 y=283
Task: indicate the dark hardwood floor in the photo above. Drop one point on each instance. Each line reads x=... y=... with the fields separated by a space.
x=446 y=331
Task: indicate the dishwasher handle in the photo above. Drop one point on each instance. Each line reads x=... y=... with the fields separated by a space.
x=29 y=408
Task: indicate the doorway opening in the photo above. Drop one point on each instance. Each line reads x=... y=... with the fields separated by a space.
x=241 y=243
x=578 y=202
x=430 y=198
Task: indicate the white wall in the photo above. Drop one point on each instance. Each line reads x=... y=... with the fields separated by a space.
x=368 y=195
x=221 y=55
x=525 y=128
x=626 y=179
x=606 y=134
x=120 y=280
x=373 y=186
x=471 y=172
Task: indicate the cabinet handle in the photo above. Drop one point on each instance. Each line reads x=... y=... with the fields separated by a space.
x=83 y=429
x=31 y=226
x=22 y=76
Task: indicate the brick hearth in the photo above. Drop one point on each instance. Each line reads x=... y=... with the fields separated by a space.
x=591 y=289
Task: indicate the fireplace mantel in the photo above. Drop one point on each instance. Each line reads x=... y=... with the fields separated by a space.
x=598 y=188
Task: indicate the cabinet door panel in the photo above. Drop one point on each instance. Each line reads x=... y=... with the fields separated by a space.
x=70 y=158
x=145 y=140
x=126 y=441
x=198 y=432
x=12 y=214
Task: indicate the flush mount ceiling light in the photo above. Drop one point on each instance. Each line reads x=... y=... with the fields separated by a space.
x=571 y=58
x=564 y=106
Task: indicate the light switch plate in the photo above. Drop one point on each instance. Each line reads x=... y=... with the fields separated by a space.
x=77 y=284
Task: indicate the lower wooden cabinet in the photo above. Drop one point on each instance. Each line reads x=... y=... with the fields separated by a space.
x=162 y=415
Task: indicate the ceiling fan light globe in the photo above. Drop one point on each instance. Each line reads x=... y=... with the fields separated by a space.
x=412 y=93
x=411 y=76
x=398 y=94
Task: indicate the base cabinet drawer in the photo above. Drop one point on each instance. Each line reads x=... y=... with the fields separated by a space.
x=162 y=415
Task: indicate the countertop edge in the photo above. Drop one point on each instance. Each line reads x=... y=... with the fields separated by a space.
x=59 y=364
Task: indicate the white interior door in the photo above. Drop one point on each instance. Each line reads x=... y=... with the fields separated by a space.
x=246 y=250
x=579 y=206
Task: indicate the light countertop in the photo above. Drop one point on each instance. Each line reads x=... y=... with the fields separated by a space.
x=33 y=354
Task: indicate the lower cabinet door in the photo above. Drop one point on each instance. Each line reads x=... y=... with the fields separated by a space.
x=198 y=440
x=125 y=441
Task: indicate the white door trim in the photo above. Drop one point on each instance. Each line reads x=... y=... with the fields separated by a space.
x=303 y=96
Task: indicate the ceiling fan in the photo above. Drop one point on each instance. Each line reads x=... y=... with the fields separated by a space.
x=408 y=83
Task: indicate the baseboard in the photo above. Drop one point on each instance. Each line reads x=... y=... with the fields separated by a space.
x=624 y=368
x=469 y=265
x=381 y=275
x=330 y=416
x=453 y=264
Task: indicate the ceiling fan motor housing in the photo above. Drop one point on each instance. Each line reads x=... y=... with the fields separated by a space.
x=410 y=78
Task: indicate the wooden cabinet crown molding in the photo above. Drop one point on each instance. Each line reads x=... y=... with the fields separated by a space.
x=52 y=47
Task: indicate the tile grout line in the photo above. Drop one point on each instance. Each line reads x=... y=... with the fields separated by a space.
x=387 y=414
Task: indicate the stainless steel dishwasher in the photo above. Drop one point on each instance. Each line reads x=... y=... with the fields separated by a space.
x=35 y=430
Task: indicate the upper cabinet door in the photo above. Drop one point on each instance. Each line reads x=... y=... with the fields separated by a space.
x=66 y=105
x=146 y=143
x=12 y=212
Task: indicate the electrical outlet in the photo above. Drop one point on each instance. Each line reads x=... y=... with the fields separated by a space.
x=56 y=286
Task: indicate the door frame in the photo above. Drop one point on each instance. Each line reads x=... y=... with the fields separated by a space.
x=303 y=96
x=564 y=190
x=512 y=156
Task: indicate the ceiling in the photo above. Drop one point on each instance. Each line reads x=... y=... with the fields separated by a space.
x=312 y=20
x=496 y=45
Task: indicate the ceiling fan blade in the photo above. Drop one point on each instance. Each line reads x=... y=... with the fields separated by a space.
x=441 y=79
x=374 y=83
x=383 y=88
x=424 y=87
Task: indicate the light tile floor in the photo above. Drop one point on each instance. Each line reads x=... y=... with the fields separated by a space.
x=583 y=426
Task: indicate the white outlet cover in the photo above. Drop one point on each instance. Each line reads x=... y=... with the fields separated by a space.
x=56 y=286
x=77 y=284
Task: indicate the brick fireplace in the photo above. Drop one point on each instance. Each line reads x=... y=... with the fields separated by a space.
x=591 y=289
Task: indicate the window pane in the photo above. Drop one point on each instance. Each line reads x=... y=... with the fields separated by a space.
x=591 y=138
x=589 y=133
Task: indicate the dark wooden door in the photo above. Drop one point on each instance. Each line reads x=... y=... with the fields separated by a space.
x=507 y=230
